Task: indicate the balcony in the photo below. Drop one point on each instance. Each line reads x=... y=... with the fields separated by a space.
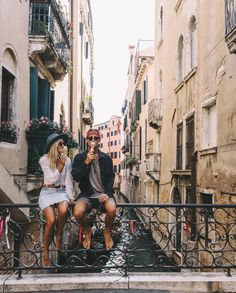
x=153 y=162
x=154 y=114
x=87 y=115
x=49 y=40
x=230 y=25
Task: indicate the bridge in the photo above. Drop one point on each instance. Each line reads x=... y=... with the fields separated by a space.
x=176 y=248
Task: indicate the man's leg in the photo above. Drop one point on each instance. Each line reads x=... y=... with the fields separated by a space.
x=79 y=211
x=110 y=208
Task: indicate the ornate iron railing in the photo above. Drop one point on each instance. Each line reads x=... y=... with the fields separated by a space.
x=51 y=23
x=230 y=16
x=147 y=237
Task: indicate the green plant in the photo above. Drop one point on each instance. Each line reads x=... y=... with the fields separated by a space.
x=45 y=124
x=131 y=161
x=133 y=126
x=41 y=124
x=8 y=131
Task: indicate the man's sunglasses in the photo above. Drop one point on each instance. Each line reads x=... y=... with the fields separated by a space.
x=93 y=138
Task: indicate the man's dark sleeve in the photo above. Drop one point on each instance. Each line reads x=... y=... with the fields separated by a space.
x=80 y=170
x=110 y=180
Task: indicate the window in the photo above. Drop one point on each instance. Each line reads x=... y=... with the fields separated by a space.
x=193 y=42
x=145 y=90
x=180 y=59
x=108 y=134
x=161 y=23
x=179 y=146
x=209 y=124
x=111 y=133
x=101 y=135
x=189 y=141
x=7 y=98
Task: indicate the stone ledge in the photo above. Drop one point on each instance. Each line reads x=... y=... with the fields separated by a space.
x=174 y=282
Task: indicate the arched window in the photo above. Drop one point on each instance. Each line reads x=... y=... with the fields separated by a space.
x=8 y=86
x=180 y=59
x=193 y=42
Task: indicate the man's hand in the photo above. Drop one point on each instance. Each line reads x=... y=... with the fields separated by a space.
x=90 y=157
x=103 y=198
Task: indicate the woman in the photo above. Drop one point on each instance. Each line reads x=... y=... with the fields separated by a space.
x=57 y=190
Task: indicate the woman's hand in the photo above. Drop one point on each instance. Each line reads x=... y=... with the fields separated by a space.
x=72 y=201
x=61 y=163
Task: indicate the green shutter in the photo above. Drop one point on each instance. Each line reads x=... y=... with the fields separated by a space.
x=81 y=28
x=44 y=98
x=137 y=104
x=52 y=95
x=125 y=123
x=33 y=92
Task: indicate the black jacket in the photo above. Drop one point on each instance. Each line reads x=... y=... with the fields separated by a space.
x=80 y=173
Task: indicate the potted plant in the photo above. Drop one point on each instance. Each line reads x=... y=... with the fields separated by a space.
x=131 y=161
x=8 y=132
x=37 y=132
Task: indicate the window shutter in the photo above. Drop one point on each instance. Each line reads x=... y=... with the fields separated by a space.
x=33 y=92
x=81 y=28
x=138 y=104
x=44 y=98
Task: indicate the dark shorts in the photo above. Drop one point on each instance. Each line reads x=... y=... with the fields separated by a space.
x=93 y=203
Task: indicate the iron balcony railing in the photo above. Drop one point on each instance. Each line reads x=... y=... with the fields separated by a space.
x=47 y=19
x=155 y=113
x=147 y=237
x=230 y=16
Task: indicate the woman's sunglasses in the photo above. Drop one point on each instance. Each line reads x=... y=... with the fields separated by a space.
x=61 y=143
x=93 y=138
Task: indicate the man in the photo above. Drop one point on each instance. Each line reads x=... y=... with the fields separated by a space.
x=93 y=170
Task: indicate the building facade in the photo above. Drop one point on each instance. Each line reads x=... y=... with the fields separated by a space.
x=46 y=70
x=139 y=155
x=111 y=139
x=195 y=80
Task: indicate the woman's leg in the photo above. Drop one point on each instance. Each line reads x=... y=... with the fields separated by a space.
x=62 y=208
x=48 y=233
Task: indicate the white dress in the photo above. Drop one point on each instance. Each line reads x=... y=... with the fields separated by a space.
x=51 y=196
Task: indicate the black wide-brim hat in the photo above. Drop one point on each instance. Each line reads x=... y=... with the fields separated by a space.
x=53 y=138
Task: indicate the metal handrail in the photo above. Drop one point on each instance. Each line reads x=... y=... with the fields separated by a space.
x=150 y=237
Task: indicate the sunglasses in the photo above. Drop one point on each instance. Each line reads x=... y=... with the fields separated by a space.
x=61 y=143
x=93 y=138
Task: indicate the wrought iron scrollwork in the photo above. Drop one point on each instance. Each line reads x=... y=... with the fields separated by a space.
x=146 y=237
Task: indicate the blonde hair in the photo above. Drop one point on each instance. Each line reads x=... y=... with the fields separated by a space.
x=53 y=154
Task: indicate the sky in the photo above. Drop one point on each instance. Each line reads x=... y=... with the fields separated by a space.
x=116 y=25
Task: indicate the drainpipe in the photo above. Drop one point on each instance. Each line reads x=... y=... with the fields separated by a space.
x=193 y=200
x=71 y=76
